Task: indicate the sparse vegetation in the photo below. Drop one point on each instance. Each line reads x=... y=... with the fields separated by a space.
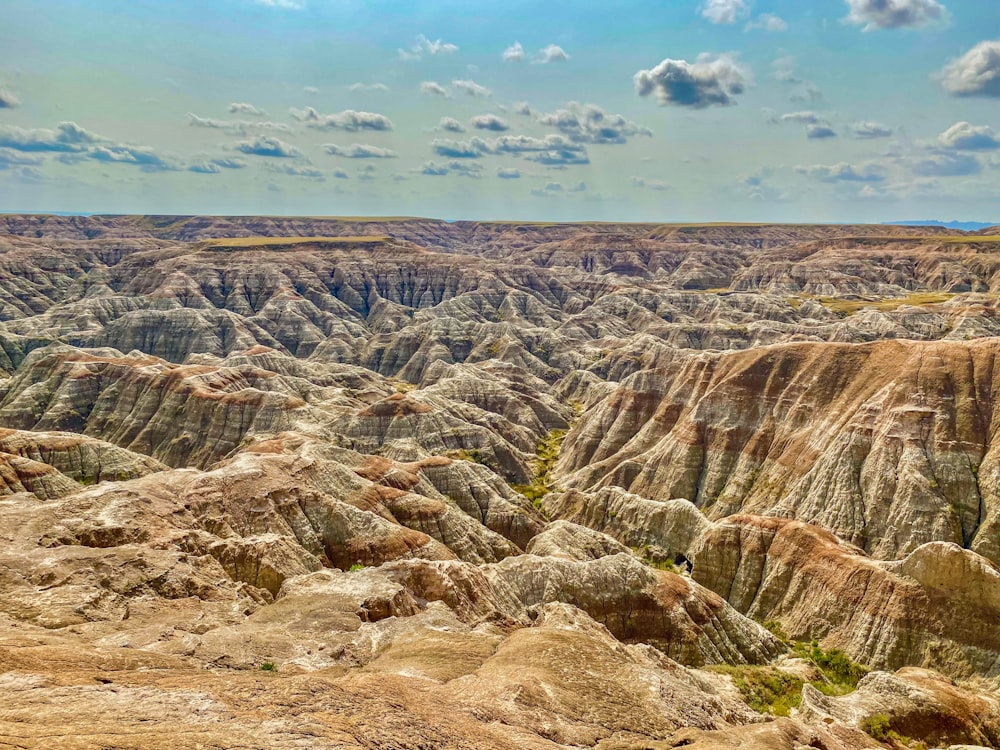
x=876 y=727
x=355 y=568
x=771 y=691
x=765 y=689
x=546 y=454
x=269 y=666
x=840 y=674
x=847 y=307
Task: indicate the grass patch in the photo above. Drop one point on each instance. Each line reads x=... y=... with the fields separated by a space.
x=765 y=689
x=546 y=456
x=768 y=690
x=846 y=307
x=355 y=568
x=839 y=674
x=240 y=243
x=269 y=666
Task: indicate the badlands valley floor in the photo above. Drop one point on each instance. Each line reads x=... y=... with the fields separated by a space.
x=406 y=484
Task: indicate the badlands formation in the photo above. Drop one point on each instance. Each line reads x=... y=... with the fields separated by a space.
x=407 y=484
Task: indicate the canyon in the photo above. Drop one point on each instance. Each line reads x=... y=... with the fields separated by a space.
x=307 y=482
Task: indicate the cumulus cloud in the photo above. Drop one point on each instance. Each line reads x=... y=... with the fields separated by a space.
x=356 y=87
x=245 y=108
x=552 y=188
x=642 y=182
x=10 y=158
x=806 y=118
x=948 y=165
x=433 y=169
x=450 y=149
x=963 y=136
x=310 y=173
x=434 y=88
x=867 y=130
x=238 y=127
x=348 y=120
x=215 y=166
x=524 y=109
x=359 y=151
x=471 y=88
x=820 y=132
x=844 y=172
x=725 y=11
x=550 y=54
x=8 y=100
x=588 y=123
x=340 y=174
x=895 y=14
x=311 y=90
x=451 y=125
x=490 y=122
x=508 y=173
x=424 y=46
x=144 y=158
x=266 y=145
x=708 y=82
x=976 y=73
x=514 y=53
x=552 y=150
x=67 y=137
x=462 y=169
x=767 y=22
x=230 y=163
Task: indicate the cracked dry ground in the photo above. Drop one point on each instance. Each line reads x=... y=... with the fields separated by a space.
x=319 y=483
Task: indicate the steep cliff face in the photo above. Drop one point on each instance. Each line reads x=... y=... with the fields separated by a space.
x=889 y=445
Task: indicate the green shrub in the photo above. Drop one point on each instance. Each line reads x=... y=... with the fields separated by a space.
x=355 y=568
x=269 y=666
x=840 y=674
x=765 y=689
x=876 y=727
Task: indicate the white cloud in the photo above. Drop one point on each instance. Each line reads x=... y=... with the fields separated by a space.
x=963 y=136
x=552 y=53
x=245 y=108
x=451 y=125
x=767 y=22
x=471 y=88
x=708 y=82
x=490 y=122
x=349 y=120
x=286 y=4
x=356 y=87
x=895 y=14
x=725 y=11
x=359 y=151
x=266 y=145
x=868 y=130
x=8 y=100
x=514 y=53
x=434 y=88
x=977 y=73
x=424 y=46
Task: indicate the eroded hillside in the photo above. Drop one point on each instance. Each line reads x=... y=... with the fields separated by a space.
x=401 y=483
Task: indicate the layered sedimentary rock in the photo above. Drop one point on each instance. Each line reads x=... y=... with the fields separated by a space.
x=344 y=483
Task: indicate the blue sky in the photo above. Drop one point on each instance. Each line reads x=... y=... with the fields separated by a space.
x=677 y=110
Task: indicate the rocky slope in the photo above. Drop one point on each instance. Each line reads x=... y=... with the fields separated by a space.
x=400 y=483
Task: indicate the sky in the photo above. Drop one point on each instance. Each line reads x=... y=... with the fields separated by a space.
x=638 y=110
